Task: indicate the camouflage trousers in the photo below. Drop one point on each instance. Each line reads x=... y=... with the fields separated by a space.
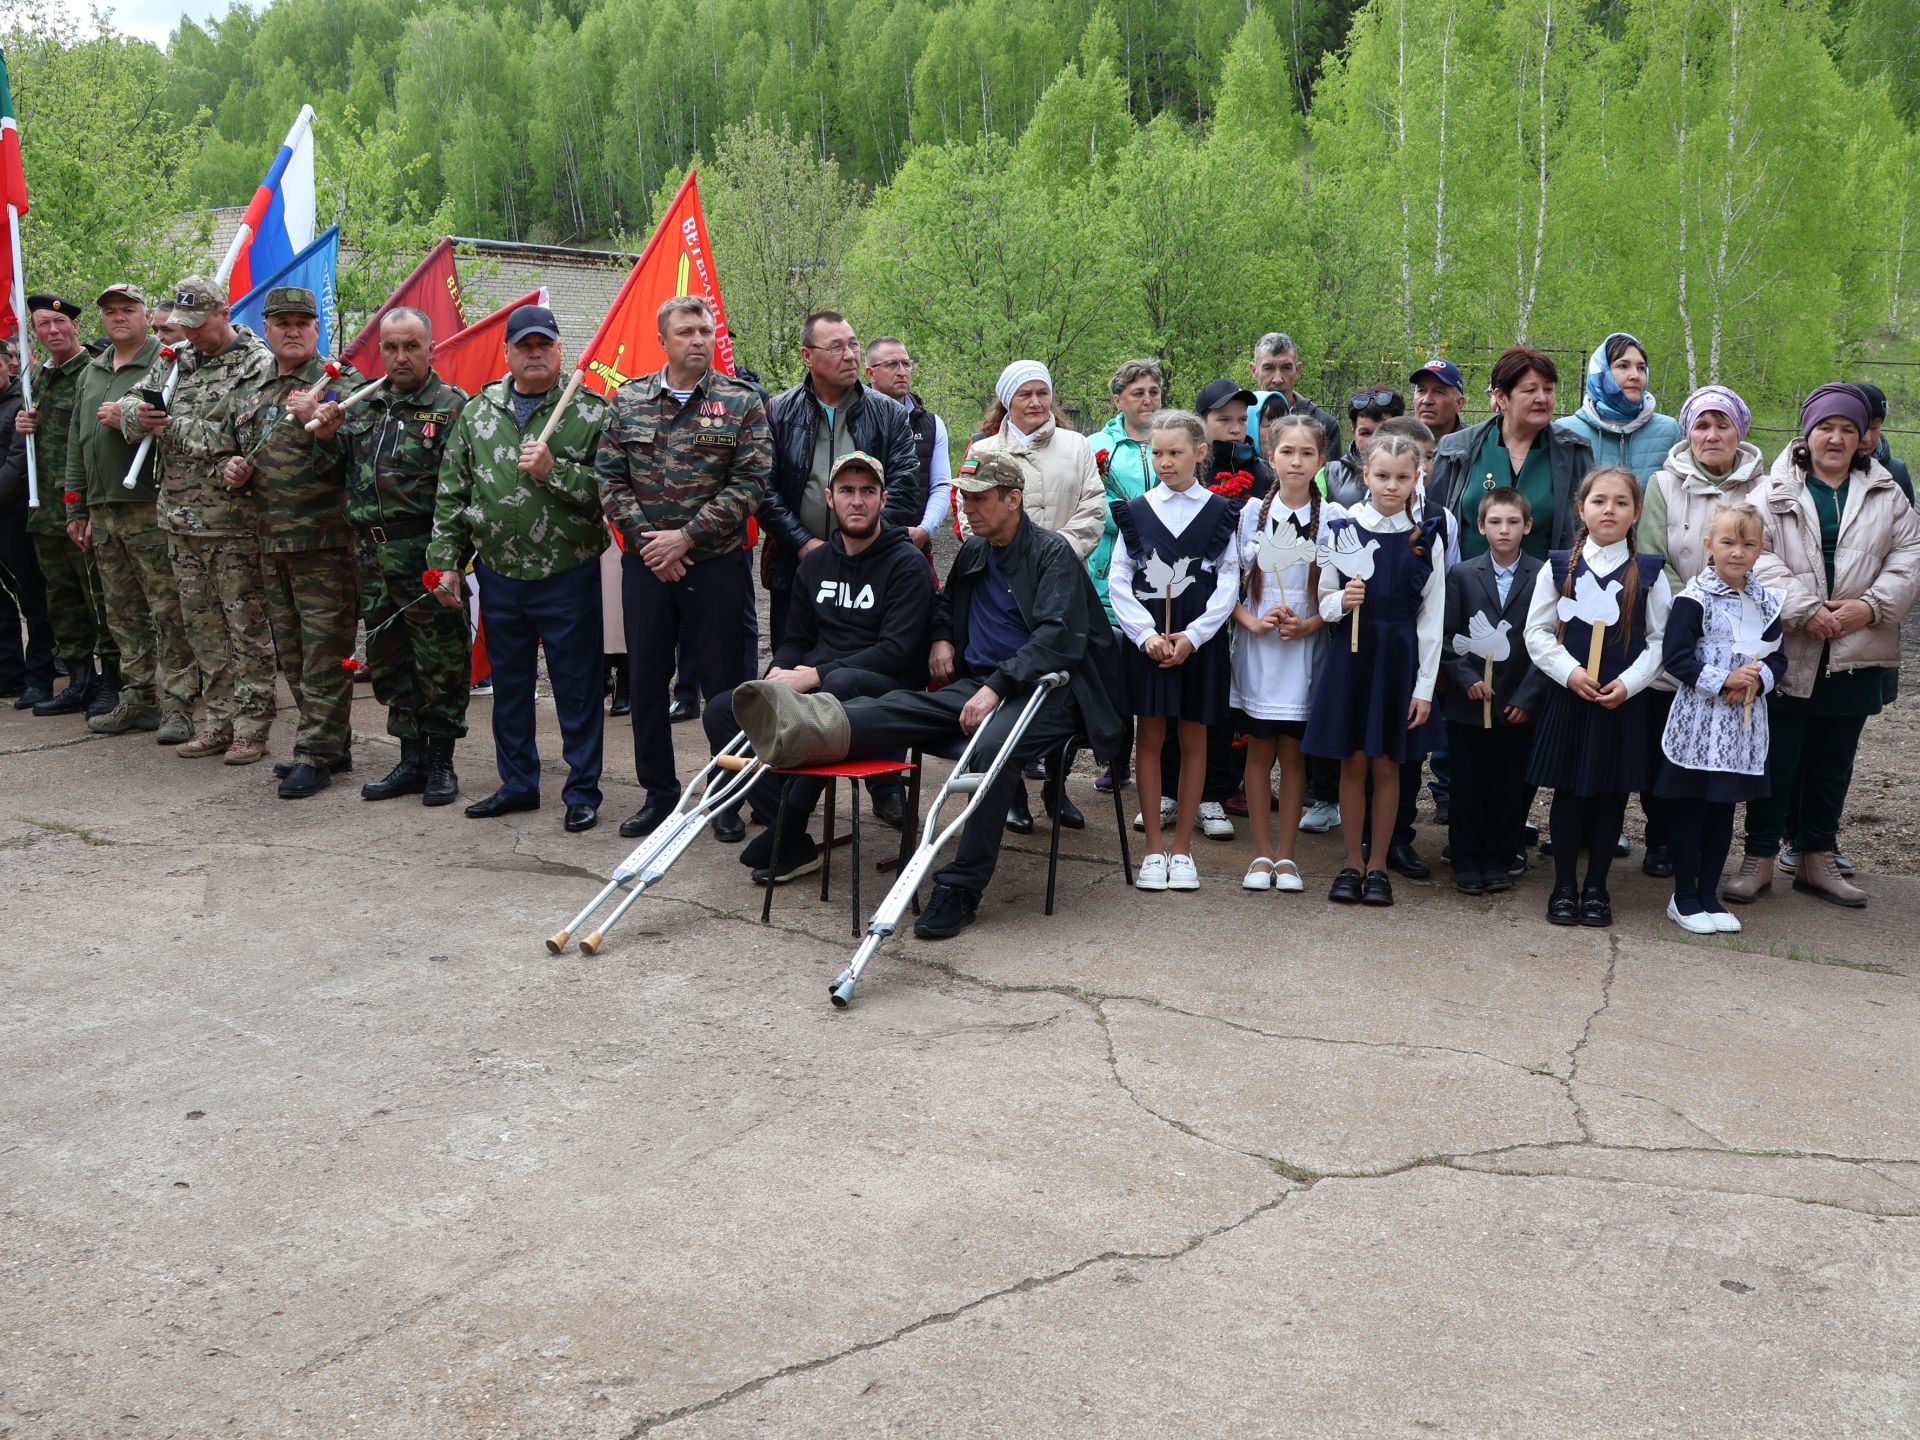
x=223 y=603
x=419 y=663
x=313 y=598
x=74 y=603
x=143 y=608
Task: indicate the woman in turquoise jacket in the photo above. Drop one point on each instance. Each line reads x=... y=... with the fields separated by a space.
x=1618 y=418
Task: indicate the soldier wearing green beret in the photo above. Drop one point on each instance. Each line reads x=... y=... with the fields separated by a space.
x=298 y=482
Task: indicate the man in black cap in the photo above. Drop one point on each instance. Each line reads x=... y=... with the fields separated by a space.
x=526 y=512
x=75 y=604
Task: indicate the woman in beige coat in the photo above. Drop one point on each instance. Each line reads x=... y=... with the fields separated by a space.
x=1843 y=545
x=1063 y=491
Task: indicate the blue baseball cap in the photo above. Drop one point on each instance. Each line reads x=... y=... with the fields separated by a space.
x=1445 y=371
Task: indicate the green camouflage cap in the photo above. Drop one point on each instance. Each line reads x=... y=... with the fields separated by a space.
x=991 y=471
x=195 y=298
x=121 y=290
x=290 y=300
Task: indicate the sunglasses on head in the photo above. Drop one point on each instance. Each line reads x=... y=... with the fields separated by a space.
x=1372 y=399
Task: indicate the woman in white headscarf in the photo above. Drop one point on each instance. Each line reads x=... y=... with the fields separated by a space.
x=1063 y=491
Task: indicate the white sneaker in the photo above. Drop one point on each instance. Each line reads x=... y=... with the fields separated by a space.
x=1259 y=874
x=1153 y=873
x=1696 y=924
x=1725 y=923
x=1320 y=818
x=1214 y=822
x=1181 y=874
x=1286 y=876
x=1168 y=810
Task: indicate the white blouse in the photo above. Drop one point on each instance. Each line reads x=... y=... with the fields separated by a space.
x=1558 y=663
x=1433 y=595
x=1175 y=509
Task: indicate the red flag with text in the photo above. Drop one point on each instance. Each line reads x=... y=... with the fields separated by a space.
x=677 y=261
x=433 y=289
x=477 y=356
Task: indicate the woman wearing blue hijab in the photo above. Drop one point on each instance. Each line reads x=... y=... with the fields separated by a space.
x=1618 y=418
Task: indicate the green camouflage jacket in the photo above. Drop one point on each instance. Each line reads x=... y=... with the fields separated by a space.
x=298 y=484
x=395 y=444
x=56 y=390
x=197 y=443
x=98 y=457
x=490 y=509
x=700 y=467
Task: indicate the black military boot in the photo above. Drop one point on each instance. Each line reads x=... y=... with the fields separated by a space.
x=442 y=785
x=406 y=778
x=106 y=698
x=82 y=682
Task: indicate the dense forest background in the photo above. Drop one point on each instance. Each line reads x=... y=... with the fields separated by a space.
x=1084 y=181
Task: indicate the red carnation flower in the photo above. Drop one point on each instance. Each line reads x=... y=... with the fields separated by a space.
x=1232 y=485
x=430 y=579
x=353 y=666
x=1101 y=458
x=72 y=497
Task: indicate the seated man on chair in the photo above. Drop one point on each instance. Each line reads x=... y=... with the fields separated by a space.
x=857 y=626
x=1019 y=605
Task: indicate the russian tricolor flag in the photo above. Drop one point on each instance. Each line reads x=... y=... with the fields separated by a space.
x=279 y=221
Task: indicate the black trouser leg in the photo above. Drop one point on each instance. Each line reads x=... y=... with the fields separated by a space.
x=1716 y=843
x=1568 y=817
x=1605 y=815
x=1684 y=835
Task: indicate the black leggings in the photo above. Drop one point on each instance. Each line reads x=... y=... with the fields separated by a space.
x=1585 y=822
x=1702 y=837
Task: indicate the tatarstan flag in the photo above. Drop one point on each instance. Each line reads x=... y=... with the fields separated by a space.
x=13 y=193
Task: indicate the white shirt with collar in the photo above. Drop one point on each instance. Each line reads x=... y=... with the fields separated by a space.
x=1557 y=662
x=1433 y=595
x=1175 y=509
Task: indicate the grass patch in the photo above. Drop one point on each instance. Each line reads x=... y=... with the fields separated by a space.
x=60 y=827
x=1776 y=950
x=1299 y=1174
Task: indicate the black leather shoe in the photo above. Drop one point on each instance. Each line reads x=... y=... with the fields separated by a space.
x=1443 y=811
x=729 y=828
x=1497 y=881
x=581 y=817
x=304 y=780
x=341 y=764
x=1469 y=882
x=1070 y=816
x=950 y=909
x=1406 y=860
x=647 y=818
x=620 y=704
x=890 y=807
x=1346 y=887
x=680 y=711
x=501 y=803
x=1377 y=889
x=438 y=784
x=82 y=684
x=1563 y=908
x=1019 y=814
x=1596 y=908
x=1658 y=862
x=1034 y=770
x=31 y=696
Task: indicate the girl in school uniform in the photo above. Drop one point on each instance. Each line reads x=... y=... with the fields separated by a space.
x=1590 y=744
x=1715 y=741
x=1172 y=584
x=1375 y=690
x=1276 y=647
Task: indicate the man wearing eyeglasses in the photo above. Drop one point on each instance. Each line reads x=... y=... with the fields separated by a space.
x=825 y=416
x=890 y=371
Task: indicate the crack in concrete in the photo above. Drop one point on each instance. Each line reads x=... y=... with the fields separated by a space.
x=649 y=1423
x=1586 y=1034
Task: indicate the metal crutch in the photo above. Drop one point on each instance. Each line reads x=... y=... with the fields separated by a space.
x=886 y=919
x=654 y=856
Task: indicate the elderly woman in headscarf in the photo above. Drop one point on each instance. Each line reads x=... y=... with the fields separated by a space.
x=1712 y=462
x=1618 y=418
x=1843 y=545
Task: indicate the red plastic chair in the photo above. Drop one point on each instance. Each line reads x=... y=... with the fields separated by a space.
x=853 y=772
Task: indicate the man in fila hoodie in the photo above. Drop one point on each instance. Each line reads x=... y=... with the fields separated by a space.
x=862 y=605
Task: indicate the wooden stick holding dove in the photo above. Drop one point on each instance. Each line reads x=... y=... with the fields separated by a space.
x=1490 y=643
x=1751 y=641
x=1163 y=583
x=1599 y=606
x=1345 y=553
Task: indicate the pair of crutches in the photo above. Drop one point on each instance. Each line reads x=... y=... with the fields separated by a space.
x=721 y=785
x=934 y=835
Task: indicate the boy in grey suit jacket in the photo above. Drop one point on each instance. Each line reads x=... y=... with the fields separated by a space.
x=1490 y=727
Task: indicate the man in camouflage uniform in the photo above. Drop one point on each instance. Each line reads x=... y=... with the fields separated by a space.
x=528 y=515
x=158 y=682
x=306 y=546
x=213 y=530
x=683 y=463
x=395 y=440
x=74 y=602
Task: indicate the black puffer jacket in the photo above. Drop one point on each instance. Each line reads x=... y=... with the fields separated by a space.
x=13 y=452
x=1066 y=627
x=878 y=425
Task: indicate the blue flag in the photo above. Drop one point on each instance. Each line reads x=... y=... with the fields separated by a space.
x=312 y=268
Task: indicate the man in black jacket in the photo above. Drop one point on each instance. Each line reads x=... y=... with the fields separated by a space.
x=861 y=605
x=26 y=673
x=827 y=415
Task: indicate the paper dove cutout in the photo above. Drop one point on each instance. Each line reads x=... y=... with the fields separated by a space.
x=1345 y=552
x=1284 y=547
x=1749 y=632
x=1484 y=641
x=1591 y=601
x=1164 y=581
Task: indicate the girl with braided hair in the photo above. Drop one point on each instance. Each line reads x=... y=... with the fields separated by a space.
x=1591 y=743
